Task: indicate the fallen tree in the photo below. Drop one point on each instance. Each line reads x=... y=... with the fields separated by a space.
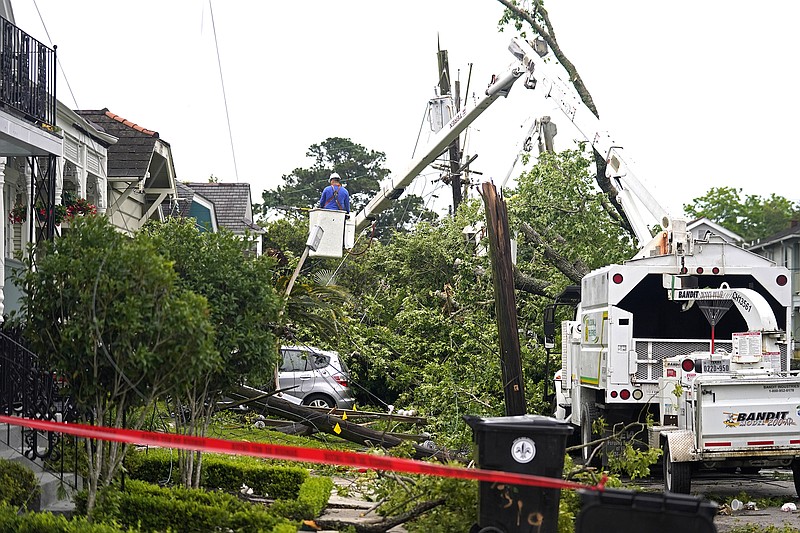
x=327 y=423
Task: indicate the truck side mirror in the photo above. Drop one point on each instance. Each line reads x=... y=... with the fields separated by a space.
x=550 y=326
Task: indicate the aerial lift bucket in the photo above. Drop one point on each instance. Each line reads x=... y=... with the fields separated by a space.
x=332 y=223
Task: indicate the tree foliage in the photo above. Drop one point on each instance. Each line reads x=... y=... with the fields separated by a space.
x=751 y=216
x=243 y=302
x=244 y=308
x=560 y=202
x=108 y=313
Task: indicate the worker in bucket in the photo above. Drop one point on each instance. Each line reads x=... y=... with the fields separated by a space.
x=335 y=196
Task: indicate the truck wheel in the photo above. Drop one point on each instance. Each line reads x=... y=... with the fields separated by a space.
x=677 y=475
x=796 y=475
x=589 y=413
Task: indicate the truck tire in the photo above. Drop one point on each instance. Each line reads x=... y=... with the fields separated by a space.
x=589 y=413
x=677 y=475
x=796 y=475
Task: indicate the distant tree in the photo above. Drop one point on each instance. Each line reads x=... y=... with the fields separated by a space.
x=751 y=216
x=109 y=314
x=362 y=171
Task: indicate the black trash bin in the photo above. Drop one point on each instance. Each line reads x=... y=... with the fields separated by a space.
x=526 y=444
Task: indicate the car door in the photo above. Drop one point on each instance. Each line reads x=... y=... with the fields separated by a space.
x=295 y=373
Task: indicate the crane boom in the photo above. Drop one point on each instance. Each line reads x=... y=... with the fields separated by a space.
x=500 y=86
x=546 y=76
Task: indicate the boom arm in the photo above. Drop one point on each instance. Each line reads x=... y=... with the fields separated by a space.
x=545 y=75
x=499 y=87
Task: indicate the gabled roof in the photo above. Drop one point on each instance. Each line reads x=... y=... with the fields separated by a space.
x=716 y=228
x=232 y=204
x=783 y=235
x=130 y=156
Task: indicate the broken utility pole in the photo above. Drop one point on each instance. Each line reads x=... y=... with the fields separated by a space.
x=504 y=298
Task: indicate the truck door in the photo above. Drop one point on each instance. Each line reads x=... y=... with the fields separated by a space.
x=621 y=354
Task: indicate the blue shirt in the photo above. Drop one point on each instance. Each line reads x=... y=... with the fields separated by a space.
x=335 y=197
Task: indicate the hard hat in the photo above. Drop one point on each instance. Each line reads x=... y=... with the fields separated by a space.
x=334 y=176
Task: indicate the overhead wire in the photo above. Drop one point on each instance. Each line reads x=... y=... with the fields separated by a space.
x=224 y=96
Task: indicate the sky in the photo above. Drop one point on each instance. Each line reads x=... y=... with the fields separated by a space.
x=699 y=94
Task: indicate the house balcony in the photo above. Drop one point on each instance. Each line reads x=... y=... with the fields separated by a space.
x=27 y=95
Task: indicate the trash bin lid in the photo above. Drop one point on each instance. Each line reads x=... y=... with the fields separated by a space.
x=515 y=423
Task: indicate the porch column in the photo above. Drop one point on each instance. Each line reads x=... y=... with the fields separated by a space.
x=31 y=221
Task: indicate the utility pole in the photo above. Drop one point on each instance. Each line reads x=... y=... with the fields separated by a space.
x=504 y=299
x=454 y=149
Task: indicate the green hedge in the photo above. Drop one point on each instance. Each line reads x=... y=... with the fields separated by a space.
x=222 y=472
x=49 y=523
x=313 y=498
x=18 y=485
x=154 y=509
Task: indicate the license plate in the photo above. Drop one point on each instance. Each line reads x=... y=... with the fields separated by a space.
x=716 y=366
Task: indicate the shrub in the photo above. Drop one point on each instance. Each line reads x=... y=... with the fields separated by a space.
x=312 y=499
x=152 y=508
x=49 y=523
x=18 y=485
x=222 y=472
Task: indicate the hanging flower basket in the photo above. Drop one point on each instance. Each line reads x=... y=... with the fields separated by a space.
x=59 y=213
x=71 y=208
x=80 y=207
x=18 y=213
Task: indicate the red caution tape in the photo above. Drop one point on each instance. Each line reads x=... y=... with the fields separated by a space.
x=292 y=453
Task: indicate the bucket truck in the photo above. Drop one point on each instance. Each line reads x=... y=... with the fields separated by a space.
x=338 y=231
x=693 y=332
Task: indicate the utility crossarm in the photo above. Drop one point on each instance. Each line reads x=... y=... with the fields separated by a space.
x=546 y=75
x=499 y=87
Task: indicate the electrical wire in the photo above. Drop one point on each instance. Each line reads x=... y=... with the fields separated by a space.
x=63 y=73
x=224 y=97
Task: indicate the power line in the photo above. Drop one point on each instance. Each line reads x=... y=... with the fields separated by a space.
x=50 y=40
x=224 y=97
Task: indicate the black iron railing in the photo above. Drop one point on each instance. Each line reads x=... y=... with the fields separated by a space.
x=27 y=390
x=27 y=75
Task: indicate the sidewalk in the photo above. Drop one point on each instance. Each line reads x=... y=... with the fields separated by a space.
x=351 y=509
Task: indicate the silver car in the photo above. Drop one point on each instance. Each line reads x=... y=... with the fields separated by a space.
x=317 y=377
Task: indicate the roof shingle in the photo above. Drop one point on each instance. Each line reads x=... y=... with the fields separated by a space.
x=130 y=156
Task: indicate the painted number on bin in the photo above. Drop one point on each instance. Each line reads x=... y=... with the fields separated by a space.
x=523 y=450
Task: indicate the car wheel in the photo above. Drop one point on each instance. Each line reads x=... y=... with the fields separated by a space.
x=677 y=475
x=319 y=400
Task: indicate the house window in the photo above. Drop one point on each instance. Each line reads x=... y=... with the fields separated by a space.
x=202 y=215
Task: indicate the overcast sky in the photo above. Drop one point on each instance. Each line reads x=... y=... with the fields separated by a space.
x=700 y=94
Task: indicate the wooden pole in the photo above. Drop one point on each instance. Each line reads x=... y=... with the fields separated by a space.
x=454 y=150
x=505 y=300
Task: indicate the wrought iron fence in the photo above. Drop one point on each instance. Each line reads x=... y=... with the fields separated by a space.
x=27 y=75
x=28 y=390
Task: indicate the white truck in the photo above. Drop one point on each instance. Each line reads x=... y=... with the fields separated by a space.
x=652 y=335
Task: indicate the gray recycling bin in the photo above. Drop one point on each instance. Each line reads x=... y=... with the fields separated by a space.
x=526 y=444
